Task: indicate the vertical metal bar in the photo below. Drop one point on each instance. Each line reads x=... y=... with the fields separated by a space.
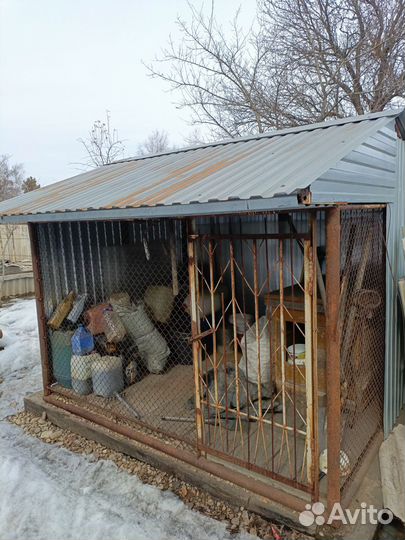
x=235 y=337
x=225 y=342
x=308 y=289
x=245 y=328
x=115 y=257
x=48 y=299
x=315 y=423
x=214 y=335
x=195 y=323
x=100 y=265
x=54 y=263
x=79 y=226
x=39 y=297
x=282 y=331
x=294 y=396
x=72 y=254
x=258 y=339
x=93 y=281
x=272 y=352
x=62 y=249
x=333 y=353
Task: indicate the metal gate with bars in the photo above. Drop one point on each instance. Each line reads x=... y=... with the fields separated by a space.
x=253 y=318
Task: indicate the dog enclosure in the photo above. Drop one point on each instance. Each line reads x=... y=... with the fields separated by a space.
x=256 y=341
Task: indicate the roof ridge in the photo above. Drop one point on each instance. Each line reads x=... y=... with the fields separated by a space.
x=270 y=134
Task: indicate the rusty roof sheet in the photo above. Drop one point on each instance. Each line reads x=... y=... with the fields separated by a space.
x=253 y=167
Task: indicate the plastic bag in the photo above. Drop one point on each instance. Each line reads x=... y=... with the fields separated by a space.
x=135 y=320
x=159 y=300
x=114 y=329
x=95 y=319
x=153 y=350
x=250 y=347
x=120 y=298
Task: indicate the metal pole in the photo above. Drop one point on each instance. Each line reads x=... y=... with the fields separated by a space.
x=333 y=354
x=194 y=332
x=39 y=297
x=308 y=277
x=315 y=424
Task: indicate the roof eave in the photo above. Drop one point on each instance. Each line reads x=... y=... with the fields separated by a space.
x=282 y=202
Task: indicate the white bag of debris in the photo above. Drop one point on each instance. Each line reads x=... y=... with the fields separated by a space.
x=151 y=344
x=159 y=300
x=256 y=352
x=135 y=320
x=120 y=298
x=154 y=351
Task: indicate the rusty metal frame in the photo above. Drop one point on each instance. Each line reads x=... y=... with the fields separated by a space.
x=333 y=355
x=308 y=240
x=39 y=298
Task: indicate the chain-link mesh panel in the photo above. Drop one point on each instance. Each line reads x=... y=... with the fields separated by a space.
x=118 y=316
x=362 y=319
x=115 y=296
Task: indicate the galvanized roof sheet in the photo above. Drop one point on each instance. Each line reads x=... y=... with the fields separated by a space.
x=253 y=167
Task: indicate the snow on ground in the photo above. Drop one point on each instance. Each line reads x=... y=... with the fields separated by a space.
x=49 y=493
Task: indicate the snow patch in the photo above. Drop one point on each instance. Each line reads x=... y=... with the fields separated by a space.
x=49 y=492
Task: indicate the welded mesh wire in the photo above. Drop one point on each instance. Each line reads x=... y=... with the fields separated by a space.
x=115 y=297
x=362 y=320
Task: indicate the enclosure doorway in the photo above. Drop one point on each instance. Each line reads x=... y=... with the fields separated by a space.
x=256 y=348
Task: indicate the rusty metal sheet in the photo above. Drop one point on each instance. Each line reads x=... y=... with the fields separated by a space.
x=249 y=168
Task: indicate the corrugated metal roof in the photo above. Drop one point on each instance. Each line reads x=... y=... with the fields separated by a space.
x=249 y=168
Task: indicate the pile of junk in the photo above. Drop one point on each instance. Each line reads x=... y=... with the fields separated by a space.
x=105 y=348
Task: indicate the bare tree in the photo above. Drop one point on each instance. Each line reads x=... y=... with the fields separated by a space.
x=11 y=177
x=156 y=142
x=103 y=146
x=301 y=61
x=346 y=56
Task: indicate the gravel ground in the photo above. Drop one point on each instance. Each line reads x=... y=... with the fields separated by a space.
x=237 y=518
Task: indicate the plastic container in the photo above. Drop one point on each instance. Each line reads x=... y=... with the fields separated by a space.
x=82 y=341
x=61 y=349
x=61 y=312
x=296 y=354
x=114 y=329
x=107 y=375
x=81 y=373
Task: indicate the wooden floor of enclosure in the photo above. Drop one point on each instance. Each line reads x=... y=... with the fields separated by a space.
x=164 y=403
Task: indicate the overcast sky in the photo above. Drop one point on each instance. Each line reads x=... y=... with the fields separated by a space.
x=64 y=62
